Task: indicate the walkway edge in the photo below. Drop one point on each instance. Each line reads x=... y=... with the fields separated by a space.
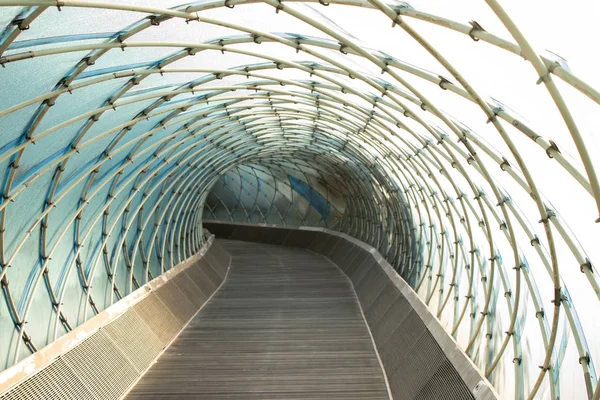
x=385 y=376
x=178 y=333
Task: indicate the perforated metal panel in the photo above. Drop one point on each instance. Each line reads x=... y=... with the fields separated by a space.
x=101 y=366
x=368 y=292
x=190 y=290
x=298 y=238
x=363 y=286
x=135 y=339
x=156 y=315
x=211 y=274
x=218 y=262
x=200 y=280
x=362 y=272
x=417 y=362
x=56 y=381
x=444 y=384
x=221 y=255
x=356 y=263
x=382 y=303
x=176 y=302
x=348 y=259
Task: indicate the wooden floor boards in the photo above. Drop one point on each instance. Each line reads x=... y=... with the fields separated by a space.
x=285 y=325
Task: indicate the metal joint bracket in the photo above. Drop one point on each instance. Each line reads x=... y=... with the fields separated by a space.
x=503 y=201
x=278 y=7
x=495 y=112
x=549 y=215
x=397 y=20
x=154 y=20
x=552 y=146
x=518 y=267
x=544 y=78
x=558 y=297
x=443 y=81
x=384 y=69
x=342 y=45
x=475 y=27
x=228 y=5
x=187 y=21
x=19 y=24
x=587 y=265
x=505 y=164
x=49 y=102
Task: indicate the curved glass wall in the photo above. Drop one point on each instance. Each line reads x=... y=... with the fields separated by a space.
x=369 y=117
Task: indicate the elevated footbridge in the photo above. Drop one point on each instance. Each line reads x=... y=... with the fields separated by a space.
x=428 y=170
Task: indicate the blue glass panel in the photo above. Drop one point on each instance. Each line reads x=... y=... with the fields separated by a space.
x=312 y=196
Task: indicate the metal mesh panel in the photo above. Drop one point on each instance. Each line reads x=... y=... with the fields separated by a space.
x=356 y=263
x=299 y=238
x=349 y=257
x=444 y=384
x=213 y=277
x=382 y=303
x=392 y=318
x=200 y=280
x=101 y=366
x=56 y=381
x=364 y=286
x=368 y=292
x=362 y=272
x=418 y=362
x=135 y=339
x=158 y=317
x=190 y=290
x=220 y=254
x=218 y=262
x=176 y=302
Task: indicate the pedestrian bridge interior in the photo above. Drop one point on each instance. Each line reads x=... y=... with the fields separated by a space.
x=281 y=199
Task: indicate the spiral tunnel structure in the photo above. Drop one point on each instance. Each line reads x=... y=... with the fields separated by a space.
x=124 y=124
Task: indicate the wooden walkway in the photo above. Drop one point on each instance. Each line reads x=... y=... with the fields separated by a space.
x=285 y=325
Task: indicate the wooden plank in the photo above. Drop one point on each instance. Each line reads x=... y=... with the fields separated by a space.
x=285 y=325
